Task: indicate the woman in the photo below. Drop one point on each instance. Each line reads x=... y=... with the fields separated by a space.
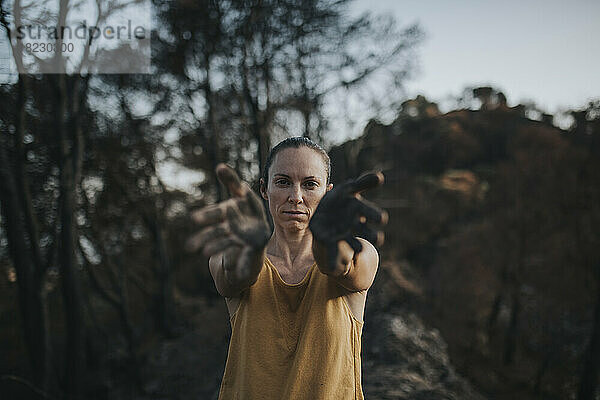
x=295 y=297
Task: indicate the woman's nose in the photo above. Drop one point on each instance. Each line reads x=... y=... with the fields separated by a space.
x=295 y=195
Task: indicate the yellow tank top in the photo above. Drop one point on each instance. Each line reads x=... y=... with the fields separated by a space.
x=293 y=342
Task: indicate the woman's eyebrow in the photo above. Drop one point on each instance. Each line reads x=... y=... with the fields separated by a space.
x=311 y=177
x=280 y=175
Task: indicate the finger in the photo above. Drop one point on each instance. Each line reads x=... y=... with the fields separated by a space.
x=366 y=182
x=371 y=235
x=380 y=239
x=231 y=180
x=371 y=211
x=209 y=215
x=332 y=253
x=255 y=204
x=354 y=243
x=250 y=204
x=242 y=266
x=231 y=253
x=324 y=234
x=365 y=232
x=200 y=239
x=218 y=245
x=252 y=233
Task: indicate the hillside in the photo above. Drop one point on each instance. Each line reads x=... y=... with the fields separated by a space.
x=488 y=285
x=489 y=237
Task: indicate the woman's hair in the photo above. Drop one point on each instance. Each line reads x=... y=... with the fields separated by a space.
x=295 y=142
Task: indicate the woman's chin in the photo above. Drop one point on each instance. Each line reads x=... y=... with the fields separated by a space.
x=294 y=225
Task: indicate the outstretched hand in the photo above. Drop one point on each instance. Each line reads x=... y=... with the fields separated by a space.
x=343 y=215
x=236 y=227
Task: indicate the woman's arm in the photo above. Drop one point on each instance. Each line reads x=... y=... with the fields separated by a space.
x=353 y=270
x=343 y=233
x=224 y=266
x=234 y=235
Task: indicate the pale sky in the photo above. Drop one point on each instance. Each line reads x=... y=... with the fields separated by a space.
x=546 y=51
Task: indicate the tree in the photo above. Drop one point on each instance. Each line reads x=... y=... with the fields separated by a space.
x=46 y=151
x=260 y=64
x=586 y=132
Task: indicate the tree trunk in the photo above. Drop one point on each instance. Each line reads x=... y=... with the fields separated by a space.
x=498 y=300
x=22 y=181
x=165 y=301
x=306 y=116
x=493 y=317
x=22 y=230
x=36 y=307
x=31 y=298
x=591 y=367
x=214 y=150
x=120 y=302
x=511 y=332
x=306 y=103
x=257 y=126
x=539 y=376
x=71 y=285
x=127 y=326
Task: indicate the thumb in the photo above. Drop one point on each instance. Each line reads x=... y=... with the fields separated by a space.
x=228 y=177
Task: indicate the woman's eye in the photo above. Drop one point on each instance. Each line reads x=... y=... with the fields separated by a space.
x=311 y=184
x=281 y=181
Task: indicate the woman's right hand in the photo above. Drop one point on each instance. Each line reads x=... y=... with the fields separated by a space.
x=236 y=230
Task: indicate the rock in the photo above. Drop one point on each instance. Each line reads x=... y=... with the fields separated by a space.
x=403 y=359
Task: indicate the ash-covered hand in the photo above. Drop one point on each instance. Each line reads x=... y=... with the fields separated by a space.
x=237 y=228
x=343 y=215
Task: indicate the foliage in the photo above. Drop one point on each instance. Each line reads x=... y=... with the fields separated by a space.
x=492 y=215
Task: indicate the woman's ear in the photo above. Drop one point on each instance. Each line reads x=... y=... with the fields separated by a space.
x=263 y=189
x=329 y=187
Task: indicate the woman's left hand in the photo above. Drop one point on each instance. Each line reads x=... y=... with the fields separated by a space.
x=343 y=215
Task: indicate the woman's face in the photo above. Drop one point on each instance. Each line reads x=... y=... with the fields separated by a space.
x=297 y=182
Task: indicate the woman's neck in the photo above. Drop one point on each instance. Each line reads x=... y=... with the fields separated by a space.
x=291 y=246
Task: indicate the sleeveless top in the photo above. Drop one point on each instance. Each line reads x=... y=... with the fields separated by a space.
x=293 y=341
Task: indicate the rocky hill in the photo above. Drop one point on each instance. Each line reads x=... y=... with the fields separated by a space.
x=488 y=239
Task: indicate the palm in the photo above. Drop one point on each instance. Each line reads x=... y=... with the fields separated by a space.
x=247 y=221
x=232 y=225
x=343 y=214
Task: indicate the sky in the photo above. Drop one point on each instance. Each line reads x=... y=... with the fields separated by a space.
x=545 y=51
x=532 y=50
